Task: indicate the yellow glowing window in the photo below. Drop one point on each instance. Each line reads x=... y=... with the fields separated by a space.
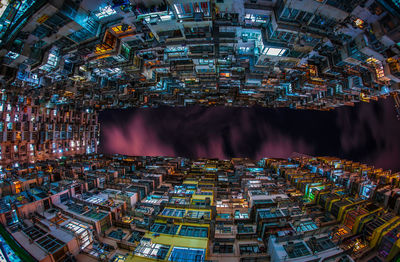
x=313 y=71
x=119 y=29
x=108 y=44
x=102 y=48
x=379 y=72
x=372 y=60
x=102 y=56
x=394 y=65
x=42 y=19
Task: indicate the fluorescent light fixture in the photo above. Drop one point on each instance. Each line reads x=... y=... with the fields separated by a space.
x=178 y=11
x=166 y=17
x=272 y=51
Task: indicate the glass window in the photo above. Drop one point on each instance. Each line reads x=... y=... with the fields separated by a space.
x=81 y=230
x=198 y=214
x=186 y=10
x=183 y=254
x=296 y=250
x=173 y=212
x=191 y=231
x=285 y=13
x=222 y=248
x=164 y=228
x=147 y=249
x=249 y=249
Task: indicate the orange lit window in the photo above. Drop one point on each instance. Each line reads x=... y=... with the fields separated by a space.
x=342 y=232
x=225 y=74
x=379 y=72
x=42 y=19
x=359 y=23
x=17 y=187
x=394 y=65
x=378 y=67
x=118 y=29
x=103 y=56
x=102 y=48
x=108 y=44
x=313 y=71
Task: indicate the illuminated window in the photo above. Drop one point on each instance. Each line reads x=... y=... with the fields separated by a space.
x=165 y=17
x=186 y=10
x=206 y=61
x=108 y=44
x=120 y=29
x=243 y=50
x=378 y=67
x=174 y=49
x=187 y=254
x=105 y=12
x=12 y=55
x=359 y=23
x=82 y=231
x=225 y=74
x=256 y=18
x=51 y=63
x=15 y=149
x=8 y=118
x=372 y=60
x=152 y=250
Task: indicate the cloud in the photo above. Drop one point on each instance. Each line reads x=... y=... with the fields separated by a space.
x=214 y=149
x=283 y=147
x=134 y=138
x=199 y=132
x=368 y=133
x=371 y=133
